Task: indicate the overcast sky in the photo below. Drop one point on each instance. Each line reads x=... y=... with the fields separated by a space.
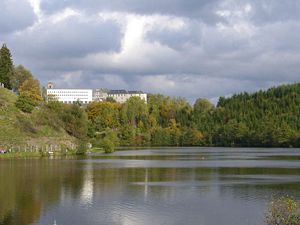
x=188 y=48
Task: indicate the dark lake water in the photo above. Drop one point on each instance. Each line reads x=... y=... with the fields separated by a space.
x=177 y=186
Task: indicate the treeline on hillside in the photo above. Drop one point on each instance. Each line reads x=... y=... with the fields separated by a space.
x=264 y=119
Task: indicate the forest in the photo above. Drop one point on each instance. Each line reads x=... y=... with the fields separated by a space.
x=267 y=118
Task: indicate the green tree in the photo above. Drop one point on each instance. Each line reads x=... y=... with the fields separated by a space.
x=103 y=115
x=19 y=75
x=74 y=121
x=6 y=66
x=202 y=105
x=110 y=99
x=133 y=111
x=108 y=140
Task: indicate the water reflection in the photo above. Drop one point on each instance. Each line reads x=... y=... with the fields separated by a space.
x=176 y=186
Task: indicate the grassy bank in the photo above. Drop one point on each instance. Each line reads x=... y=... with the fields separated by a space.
x=19 y=129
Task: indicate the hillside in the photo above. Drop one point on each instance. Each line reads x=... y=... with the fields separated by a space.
x=268 y=118
x=21 y=129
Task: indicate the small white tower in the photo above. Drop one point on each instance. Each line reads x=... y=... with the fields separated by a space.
x=50 y=85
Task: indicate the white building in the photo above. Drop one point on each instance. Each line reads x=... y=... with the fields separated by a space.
x=100 y=94
x=120 y=96
x=85 y=96
x=70 y=96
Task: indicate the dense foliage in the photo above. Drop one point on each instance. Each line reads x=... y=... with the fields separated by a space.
x=264 y=119
x=163 y=121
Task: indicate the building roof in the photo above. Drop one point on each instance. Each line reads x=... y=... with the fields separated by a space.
x=117 y=92
x=124 y=92
x=135 y=92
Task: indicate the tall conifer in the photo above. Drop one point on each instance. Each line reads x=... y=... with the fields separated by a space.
x=6 y=66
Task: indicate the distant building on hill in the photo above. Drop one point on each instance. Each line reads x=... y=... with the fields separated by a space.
x=120 y=96
x=86 y=96
x=100 y=94
x=70 y=96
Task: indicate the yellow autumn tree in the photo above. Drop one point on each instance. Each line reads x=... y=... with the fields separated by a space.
x=30 y=88
x=30 y=95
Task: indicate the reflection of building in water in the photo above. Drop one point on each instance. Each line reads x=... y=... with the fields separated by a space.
x=87 y=191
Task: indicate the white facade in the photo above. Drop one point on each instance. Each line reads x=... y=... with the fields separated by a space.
x=100 y=95
x=70 y=96
x=120 y=96
x=123 y=97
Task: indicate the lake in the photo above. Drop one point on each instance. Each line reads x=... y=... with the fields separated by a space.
x=169 y=186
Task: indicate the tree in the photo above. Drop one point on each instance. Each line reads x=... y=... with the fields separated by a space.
x=133 y=111
x=30 y=95
x=103 y=114
x=31 y=89
x=75 y=121
x=110 y=99
x=6 y=66
x=202 y=105
x=19 y=75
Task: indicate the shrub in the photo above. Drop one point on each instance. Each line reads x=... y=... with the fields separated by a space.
x=282 y=211
x=25 y=104
x=107 y=145
x=81 y=147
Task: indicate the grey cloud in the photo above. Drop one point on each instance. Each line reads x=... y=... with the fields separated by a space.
x=268 y=11
x=72 y=37
x=191 y=8
x=177 y=39
x=15 y=15
x=264 y=11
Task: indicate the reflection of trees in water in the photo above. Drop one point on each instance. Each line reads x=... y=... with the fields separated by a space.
x=158 y=182
x=31 y=186
x=252 y=184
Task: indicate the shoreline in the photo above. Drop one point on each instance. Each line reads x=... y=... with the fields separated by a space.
x=27 y=154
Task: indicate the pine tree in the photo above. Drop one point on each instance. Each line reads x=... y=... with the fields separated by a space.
x=6 y=66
